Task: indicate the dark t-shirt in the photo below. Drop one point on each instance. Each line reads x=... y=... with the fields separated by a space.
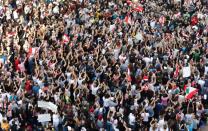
x=14 y=127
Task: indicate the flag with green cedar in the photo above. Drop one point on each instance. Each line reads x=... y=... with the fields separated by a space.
x=190 y=92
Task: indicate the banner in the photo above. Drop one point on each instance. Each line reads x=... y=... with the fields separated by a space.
x=47 y=105
x=44 y=117
x=186 y=72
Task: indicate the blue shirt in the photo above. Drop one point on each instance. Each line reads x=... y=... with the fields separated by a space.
x=35 y=89
x=11 y=98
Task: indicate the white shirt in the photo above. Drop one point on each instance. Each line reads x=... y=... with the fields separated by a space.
x=132 y=119
x=154 y=129
x=161 y=123
x=8 y=14
x=162 y=129
x=147 y=60
x=1 y=118
x=201 y=83
x=94 y=89
x=15 y=15
x=27 y=9
x=152 y=24
x=79 y=81
x=56 y=10
x=145 y=117
x=16 y=122
x=68 y=75
x=206 y=70
x=106 y=102
x=116 y=53
x=55 y=119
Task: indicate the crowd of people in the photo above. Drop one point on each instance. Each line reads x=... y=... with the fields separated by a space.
x=114 y=65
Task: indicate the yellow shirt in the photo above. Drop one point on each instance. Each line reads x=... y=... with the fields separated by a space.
x=5 y=126
x=97 y=14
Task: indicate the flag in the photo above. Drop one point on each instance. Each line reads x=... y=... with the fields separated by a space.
x=129 y=75
x=128 y=20
x=176 y=73
x=31 y=52
x=190 y=92
x=176 y=90
x=65 y=38
x=139 y=9
x=11 y=34
x=129 y=2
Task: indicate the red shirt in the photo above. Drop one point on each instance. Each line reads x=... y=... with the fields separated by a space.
x=194 y=20
x=16 y=63
x=28 y=86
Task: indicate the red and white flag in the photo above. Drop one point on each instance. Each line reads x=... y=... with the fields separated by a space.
x=176 y=73
x=11 y=34
x=190 y=92
x=32 y=51
x=128 y=19
x=66 y=38
x=139 y=9
x=129 y=75
x=129 y=2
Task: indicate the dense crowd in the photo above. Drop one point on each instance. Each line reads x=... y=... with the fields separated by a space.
x=114 y=65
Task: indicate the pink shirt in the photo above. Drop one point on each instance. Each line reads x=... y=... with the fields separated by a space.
x=165 y=101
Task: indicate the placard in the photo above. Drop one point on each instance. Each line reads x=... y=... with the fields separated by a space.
x=44 y=117
x=186 y=72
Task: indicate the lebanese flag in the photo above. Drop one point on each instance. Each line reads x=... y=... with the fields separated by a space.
x=129 y=75
x=129 y=2
x=190 y=92
x=31 y=52
x=11 y=34
x=176 y=73
x=139 y=9
x=128 y=20
x=65 y=38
